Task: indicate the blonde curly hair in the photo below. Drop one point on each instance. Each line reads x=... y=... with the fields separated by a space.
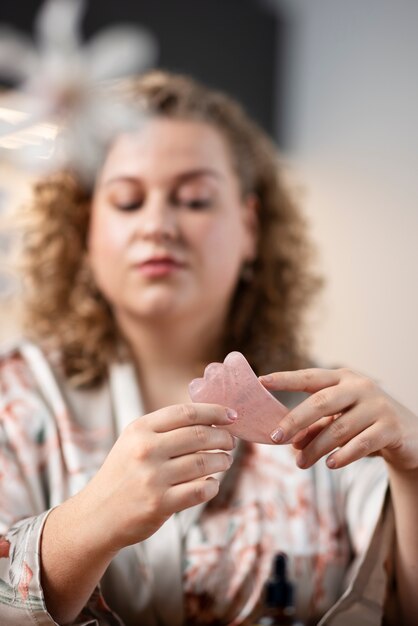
x=66 y=313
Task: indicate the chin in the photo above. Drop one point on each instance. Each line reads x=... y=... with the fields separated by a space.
x=156 y=308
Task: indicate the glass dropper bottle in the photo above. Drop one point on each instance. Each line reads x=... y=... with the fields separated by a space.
x=278 y=607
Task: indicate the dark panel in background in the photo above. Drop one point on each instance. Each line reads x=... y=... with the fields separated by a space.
x=230 y=44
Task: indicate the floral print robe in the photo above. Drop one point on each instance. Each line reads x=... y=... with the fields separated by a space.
x=208 y=564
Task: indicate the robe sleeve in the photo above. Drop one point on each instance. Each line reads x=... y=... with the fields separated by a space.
x=28 y=472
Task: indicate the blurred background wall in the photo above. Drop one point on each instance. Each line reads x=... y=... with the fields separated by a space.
x=351 y=124
x=336 y=83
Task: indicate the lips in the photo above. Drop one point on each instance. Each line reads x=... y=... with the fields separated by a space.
x=159 y=266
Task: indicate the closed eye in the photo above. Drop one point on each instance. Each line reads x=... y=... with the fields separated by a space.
x=128 y=206
x=195 y=203
x=198 y=203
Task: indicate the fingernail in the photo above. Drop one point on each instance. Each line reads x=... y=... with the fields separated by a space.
x=212 y=487
x=331 y=463
x=277 y=435
x=232 y=415
x=300 y=460
x=266 y=379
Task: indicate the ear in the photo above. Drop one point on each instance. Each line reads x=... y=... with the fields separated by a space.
x=251 y=207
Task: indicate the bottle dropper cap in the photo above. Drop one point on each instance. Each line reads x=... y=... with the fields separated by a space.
x=279 y=591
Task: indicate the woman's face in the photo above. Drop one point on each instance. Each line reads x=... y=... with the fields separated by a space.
x=169 y=229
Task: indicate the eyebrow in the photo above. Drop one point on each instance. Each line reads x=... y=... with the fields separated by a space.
x=179 y=178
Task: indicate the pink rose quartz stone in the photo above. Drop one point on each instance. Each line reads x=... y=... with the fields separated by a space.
x=234 y=384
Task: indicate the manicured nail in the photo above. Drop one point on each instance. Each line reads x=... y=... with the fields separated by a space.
x=232 y=415
x=277 y=435
x=212 y=487
x=331 y=462
x=266 y=379
x=300 y=460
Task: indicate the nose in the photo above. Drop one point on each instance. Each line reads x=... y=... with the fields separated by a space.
x=157 y=219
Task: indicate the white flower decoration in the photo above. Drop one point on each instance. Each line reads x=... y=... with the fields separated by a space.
x=61 y=82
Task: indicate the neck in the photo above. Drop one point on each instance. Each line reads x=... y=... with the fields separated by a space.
x=168 y=354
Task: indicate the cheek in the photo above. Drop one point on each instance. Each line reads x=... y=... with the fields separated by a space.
x=221 y=245
x=107 y=237
x=106 y=243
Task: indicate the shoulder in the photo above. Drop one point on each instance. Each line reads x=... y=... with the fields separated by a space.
x=23 y=407
x=15 y=372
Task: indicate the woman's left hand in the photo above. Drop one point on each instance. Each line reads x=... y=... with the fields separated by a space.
x=348 y=411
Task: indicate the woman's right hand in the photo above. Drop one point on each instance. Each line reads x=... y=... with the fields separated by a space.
x=159 y=465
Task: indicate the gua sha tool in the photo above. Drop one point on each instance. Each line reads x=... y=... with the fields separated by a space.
x=234 y=384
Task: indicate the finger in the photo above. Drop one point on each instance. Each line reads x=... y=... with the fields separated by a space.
x=328 y=401
x=305 y=436
x=189 y=494
x=309 y=380
x=336 y=434
x=179 y=415
x=192 y=466
x=366 y=443
x=192 y=439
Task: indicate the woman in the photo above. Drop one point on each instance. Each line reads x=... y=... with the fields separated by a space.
x=120 y=503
